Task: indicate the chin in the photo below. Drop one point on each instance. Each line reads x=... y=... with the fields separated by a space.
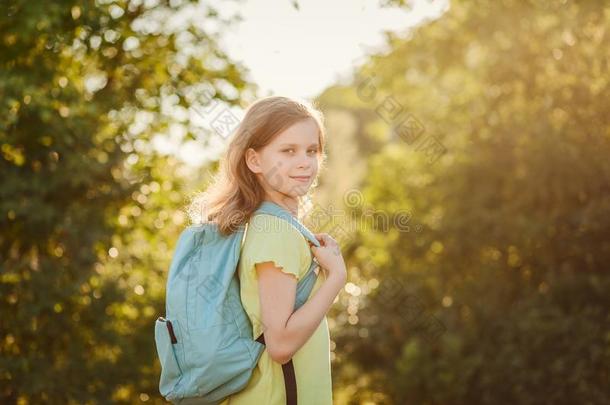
x=293 y=194
x=299 y=192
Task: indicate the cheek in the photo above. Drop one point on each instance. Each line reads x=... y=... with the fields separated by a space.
x=276 y=169
x=315 y=163
x=272 y=163
x=281 y=164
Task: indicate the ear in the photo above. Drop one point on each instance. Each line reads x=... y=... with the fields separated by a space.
x=253 y=161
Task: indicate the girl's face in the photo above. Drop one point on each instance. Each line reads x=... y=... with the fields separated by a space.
x=287 y=166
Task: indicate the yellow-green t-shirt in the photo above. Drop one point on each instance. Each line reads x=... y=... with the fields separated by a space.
x=269 y=238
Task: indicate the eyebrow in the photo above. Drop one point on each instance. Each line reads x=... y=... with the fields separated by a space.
x=294 y=144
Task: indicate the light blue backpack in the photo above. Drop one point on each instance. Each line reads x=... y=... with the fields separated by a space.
x=204 y=342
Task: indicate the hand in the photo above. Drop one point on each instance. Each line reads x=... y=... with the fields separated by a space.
x=329 y=256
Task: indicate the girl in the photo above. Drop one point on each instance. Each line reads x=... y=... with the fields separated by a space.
x=274 y=156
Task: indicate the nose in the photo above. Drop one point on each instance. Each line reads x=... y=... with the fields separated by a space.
x=305 y=161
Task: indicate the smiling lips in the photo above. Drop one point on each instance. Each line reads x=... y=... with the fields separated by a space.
x=303 y=179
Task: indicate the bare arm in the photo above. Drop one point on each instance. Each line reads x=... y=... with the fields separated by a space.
x=286 y=332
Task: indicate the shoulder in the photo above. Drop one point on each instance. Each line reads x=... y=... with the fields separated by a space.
x=266 y=232
x=266 y=225
x=270 y=238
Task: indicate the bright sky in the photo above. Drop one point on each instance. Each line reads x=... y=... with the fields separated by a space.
x=299 y=52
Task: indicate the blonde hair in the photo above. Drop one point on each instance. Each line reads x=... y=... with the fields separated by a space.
x=235 y=192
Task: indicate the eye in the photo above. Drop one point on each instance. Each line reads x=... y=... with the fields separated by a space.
x=314 y=151
x=288 y=150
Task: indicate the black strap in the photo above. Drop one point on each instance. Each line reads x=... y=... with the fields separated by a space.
x=289 y=378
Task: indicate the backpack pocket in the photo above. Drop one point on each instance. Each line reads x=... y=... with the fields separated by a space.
x=171 y=372
x=216 y=370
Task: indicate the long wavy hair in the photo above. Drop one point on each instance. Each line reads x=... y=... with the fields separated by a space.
x=235 y=192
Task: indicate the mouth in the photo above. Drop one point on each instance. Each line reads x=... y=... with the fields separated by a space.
x=303 y=179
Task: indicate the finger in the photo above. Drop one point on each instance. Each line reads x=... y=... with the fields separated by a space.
x=328 y=240
x=323 y=236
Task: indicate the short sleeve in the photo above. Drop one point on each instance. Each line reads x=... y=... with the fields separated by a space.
x=270 y=238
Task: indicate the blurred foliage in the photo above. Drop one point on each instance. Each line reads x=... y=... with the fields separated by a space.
x=477 y=275
x=90 y=211
x=490 y=284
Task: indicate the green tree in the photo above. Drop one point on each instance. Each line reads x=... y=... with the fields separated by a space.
x=89 y=209
x=491 y=285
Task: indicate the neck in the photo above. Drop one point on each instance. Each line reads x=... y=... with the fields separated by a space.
x=290 y=204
